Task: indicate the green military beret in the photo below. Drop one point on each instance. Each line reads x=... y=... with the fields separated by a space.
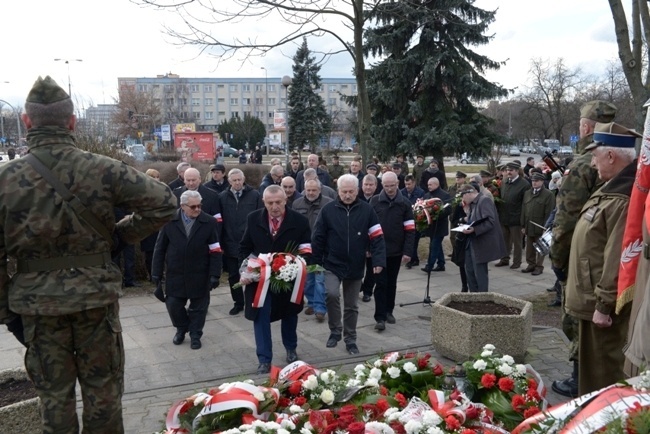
x=485 y=173
x=514 y=165
x=46 y=91
x=599 y=111
x=613 y=134
x=537 y=176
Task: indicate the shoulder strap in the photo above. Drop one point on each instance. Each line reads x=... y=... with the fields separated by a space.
x=67 y=196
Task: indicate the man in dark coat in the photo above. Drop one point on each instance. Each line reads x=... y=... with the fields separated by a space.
x=433 y=172
x=484 y=241
x=312 y=162
x=179 y=182
x=512 y=192
x=274 y=229
x=412 y=193
x=219 y=182
x=236 y=202
x=538 y=204
x=345 y=230
x=274 y=177
x=210 y=199
x=438 y=229
x=189 y=252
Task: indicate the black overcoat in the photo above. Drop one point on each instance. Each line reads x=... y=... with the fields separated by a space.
x=294 y=231
x=188 y=262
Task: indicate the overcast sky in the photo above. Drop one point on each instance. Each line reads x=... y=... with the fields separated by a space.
x=117 y=38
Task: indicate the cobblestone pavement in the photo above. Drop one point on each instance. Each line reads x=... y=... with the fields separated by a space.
x=159 y=373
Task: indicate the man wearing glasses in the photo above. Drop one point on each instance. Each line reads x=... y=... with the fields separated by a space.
x=188 y=249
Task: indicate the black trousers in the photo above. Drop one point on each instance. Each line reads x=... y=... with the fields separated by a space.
x=386 y=288
x=231 y=264
x=369 y=279
x=191 y=319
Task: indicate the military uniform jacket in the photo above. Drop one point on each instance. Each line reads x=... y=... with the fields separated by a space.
x=581 y=181
x=536 y=209
x=596 y=248
x=188 y=261
x=36 y=224
x=512 y=195
x=335 y=172
x=396 y=215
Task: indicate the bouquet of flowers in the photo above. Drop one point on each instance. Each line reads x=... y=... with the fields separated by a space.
x=512 y=391
x=426 y=211
x=495 y=188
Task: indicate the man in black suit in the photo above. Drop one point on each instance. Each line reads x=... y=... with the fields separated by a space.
x=188 y=250
x=274 y=229
x=180 y=169
x=210 y=199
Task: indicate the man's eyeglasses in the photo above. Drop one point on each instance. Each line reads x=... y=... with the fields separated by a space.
x=193 y=207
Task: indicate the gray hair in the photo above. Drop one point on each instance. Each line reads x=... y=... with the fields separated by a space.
x=236 y=172
x=316 y=181
x=477 y=179
x=190 y=194
x=273 y=189
x=55 y=114
x=275 y=161
x=181 y=166
x=627 y=154
x=369 y=177
x=347 y=178
x=310 y=173
x=277 y=170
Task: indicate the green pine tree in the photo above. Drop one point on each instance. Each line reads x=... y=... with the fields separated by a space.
x=425 y=89
x=308 y=118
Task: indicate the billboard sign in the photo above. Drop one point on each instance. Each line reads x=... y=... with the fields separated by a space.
x=195 y=146
x=279 y=120
x=185 y=128
x=166 y=132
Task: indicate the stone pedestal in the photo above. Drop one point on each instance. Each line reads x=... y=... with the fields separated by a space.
x=458 y=335
x=22 y=417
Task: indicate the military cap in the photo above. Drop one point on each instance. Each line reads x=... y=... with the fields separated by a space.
x=335 y=157
x=460 y=174
x=536 y=176
x=372 y=166
x=485 y=173
x=397 y=166
x=515 y=165
x=46 y=91
x=433 y=160
x=614 y=135
x=599 y=111
x=420 y=156
x=219 y=167
x=500 y=167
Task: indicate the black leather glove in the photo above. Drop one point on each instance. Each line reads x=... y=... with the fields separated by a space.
x=15 y=326
x=159 y=293
x=214 y=282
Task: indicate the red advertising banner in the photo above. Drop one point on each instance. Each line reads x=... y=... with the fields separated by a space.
x=195 y=146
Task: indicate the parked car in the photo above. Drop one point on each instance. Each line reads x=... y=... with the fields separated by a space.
x=513 y=151
x=527 y=149
x=230 y=152
x=472 y=159
x=565 y=150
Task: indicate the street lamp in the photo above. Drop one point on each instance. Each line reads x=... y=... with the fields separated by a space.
x=67 y=62
x=286 y=82
x=17 y=120
x=266 y=109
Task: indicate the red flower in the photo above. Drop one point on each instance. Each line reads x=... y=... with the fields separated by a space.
x=472 y=412
x=423 y=362
x=348 y=410
x=346 y=420
x=518 y=402
x=437 y=370
x=397 y=427
x=455 y=395
x=371 y=410
x=382 y=405
x=301 y=400
x=278 y=262
x=295 y=388
x=284 y=402
x=532 y=384
x=468 y=431
x=532 y=394
x=452 y=423
x=383 y=390
x=357 y=428
x=409 y=355
x=530 y=411
x=401 y=400
x=488 y=380
x=506 y=384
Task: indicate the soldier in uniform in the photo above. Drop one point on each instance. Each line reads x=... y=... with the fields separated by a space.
x=418 y=169
x=538 y=204
x=66 y=288
x=335 y=170
x=577 y=185
x=513 y=187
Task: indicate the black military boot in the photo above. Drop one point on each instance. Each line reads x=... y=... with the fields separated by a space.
x=568 y=387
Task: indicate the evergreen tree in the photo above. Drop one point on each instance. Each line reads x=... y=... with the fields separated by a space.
x=424 y=91
x=249 y=131
x=308 y=119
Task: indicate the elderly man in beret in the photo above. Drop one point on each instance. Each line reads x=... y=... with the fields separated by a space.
x=513 y=187
x=537 y=207
x=578 y=184
x=592 y=284
x=66 y=289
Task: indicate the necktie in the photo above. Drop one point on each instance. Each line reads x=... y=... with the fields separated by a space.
x=275 y=225
x=238 y=195
x=535 y=191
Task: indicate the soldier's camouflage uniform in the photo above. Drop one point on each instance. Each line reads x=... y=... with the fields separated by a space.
x=577 y=186
x=70 y=308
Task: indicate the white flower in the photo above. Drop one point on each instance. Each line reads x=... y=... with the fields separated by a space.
x=508 y=359
x=410 y=367
x=412 y=426
x=296 y=409
x=378 y=363
x=288 y=424
x=371 y=382
x=521 y=369
x=393 y=371
x=486 y=353
x=310 y=383
x=283 y=431
x=249 y=381
x=377 y=428
x=327 y=396
x=505 y=369
x=328 y=376
x=375 y=373
x=489 y=347
x=305 y=430
x=272 y=425
x=352 y=382
x=430 y=417
x=479 y=365
x=392 y=416
x=434 y=430
x=258 y=423
x=392 y=357
x=360 y=369
x=259 y=396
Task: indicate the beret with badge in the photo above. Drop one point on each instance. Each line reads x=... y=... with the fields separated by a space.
x=46 y=91
x=614 y=135
x=599 y=111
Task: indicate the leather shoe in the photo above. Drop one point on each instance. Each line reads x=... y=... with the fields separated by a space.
x=515 y=266
x=555 y=303
x=536 y=272
x=179 y=337
x=235 y=310
x=408 y=265
x=292 y=356
x=390 y=319
x=264 y=368
x=439 y=268
x=352 y=349
x=567 y=387
x=320 y=317
x=366 y=298
x=501 y=264
x=528 y=269
x=426 y=269
x=551 y=289
x=332 y=341
x=380 y=326
x=196 y=343
x=309 y=311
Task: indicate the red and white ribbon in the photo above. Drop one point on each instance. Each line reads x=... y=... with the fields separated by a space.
x=264 y=261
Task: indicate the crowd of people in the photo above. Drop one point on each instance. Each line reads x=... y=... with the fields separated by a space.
x=355 y=227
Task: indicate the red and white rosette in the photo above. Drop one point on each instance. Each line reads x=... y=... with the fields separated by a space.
x=263 y=262
x=297 y=371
